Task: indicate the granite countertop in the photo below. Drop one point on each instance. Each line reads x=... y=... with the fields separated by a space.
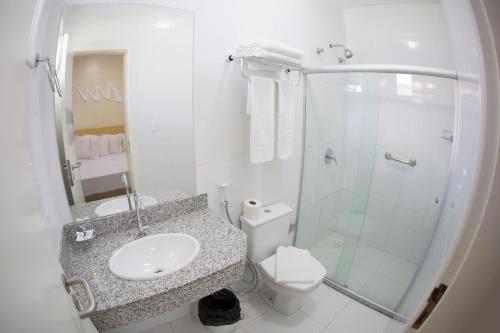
x=86 y=211
x=222 y=245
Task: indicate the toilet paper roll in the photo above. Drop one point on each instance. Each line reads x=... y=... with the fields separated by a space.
x=252 y=209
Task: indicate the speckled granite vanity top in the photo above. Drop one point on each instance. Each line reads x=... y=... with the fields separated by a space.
x=119 y=302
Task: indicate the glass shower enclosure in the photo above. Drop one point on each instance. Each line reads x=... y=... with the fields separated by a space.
x=377 y=153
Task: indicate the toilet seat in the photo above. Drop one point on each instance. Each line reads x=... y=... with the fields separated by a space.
x=268 y=267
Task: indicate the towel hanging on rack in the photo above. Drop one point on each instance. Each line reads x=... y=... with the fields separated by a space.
x=261 y=108
x=271 y=96
x=287 y=96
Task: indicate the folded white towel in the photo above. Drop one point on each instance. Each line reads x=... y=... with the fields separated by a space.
x=261 y=106
x=287 y=95
x=275 y=47
x=293 y=265
x=258 y=52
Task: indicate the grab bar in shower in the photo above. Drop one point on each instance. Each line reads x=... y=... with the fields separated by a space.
x=411 y=162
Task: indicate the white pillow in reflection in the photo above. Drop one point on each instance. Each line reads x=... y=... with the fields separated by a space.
x=103 y=145
x=115 y=143
x=87 y=146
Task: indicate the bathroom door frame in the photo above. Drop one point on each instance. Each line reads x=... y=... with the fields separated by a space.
x=59 y=127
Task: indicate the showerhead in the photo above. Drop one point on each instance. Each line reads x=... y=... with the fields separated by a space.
x=347 y=52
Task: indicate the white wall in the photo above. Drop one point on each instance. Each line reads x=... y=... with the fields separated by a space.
x=406 y=34
x=220 y=123
x=158 y=84
x=221 y=127
x=42 y=305
x=326 y=121
x=42 y=133
x=353 y=112
x=467 y=55
x=366 y=115
x=402 y=212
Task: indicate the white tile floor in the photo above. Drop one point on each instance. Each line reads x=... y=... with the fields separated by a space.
x=325 y=311
x=375 y=274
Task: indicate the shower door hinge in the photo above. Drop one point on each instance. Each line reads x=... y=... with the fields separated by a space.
x=432 y=301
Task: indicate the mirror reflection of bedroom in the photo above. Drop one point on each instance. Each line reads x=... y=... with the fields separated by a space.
x=124 y=118
x=101 y=142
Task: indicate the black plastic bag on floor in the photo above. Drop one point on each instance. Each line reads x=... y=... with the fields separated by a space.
x=219 y=308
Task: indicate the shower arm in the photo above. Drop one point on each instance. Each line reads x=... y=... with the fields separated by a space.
x=337 y=45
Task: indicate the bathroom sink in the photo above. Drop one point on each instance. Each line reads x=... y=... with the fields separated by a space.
x=119 y=205
x=154 y=256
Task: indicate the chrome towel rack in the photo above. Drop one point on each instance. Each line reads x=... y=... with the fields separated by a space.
x=51 y=73
x=287 y=66
x=411 y=162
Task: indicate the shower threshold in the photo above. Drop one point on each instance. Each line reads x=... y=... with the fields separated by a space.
x=360 y=299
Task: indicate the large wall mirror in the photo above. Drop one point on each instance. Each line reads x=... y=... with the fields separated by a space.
x=125 y=120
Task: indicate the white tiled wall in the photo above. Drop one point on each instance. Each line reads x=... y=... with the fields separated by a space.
x=392 y=208
x=326 y=127
x=219 y=94
x=220 y=122
x=466 y=55
x=402 y=209
x=406 y=34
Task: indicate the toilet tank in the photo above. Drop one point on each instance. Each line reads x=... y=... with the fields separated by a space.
x=266 y=233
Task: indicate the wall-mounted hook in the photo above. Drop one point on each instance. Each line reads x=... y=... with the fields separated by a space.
x=51 y=73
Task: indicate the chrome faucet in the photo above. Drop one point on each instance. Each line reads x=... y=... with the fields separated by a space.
x=125 y=183
x=139 y=207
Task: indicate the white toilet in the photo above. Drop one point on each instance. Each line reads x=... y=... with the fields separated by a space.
x=265 y=234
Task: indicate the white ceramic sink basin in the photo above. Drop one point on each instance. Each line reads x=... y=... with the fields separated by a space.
x=119 y=205
x=154 y=256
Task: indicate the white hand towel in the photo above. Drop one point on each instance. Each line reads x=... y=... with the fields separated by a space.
x=286 y=116
x=261 y=107
x=292 y=265
x=275 y=47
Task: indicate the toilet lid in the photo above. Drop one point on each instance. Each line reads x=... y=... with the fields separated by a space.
x=268 y=266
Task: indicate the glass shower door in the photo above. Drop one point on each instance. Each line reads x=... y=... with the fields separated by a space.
x=367 y=212
x=341 y=118
x=361 y=96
